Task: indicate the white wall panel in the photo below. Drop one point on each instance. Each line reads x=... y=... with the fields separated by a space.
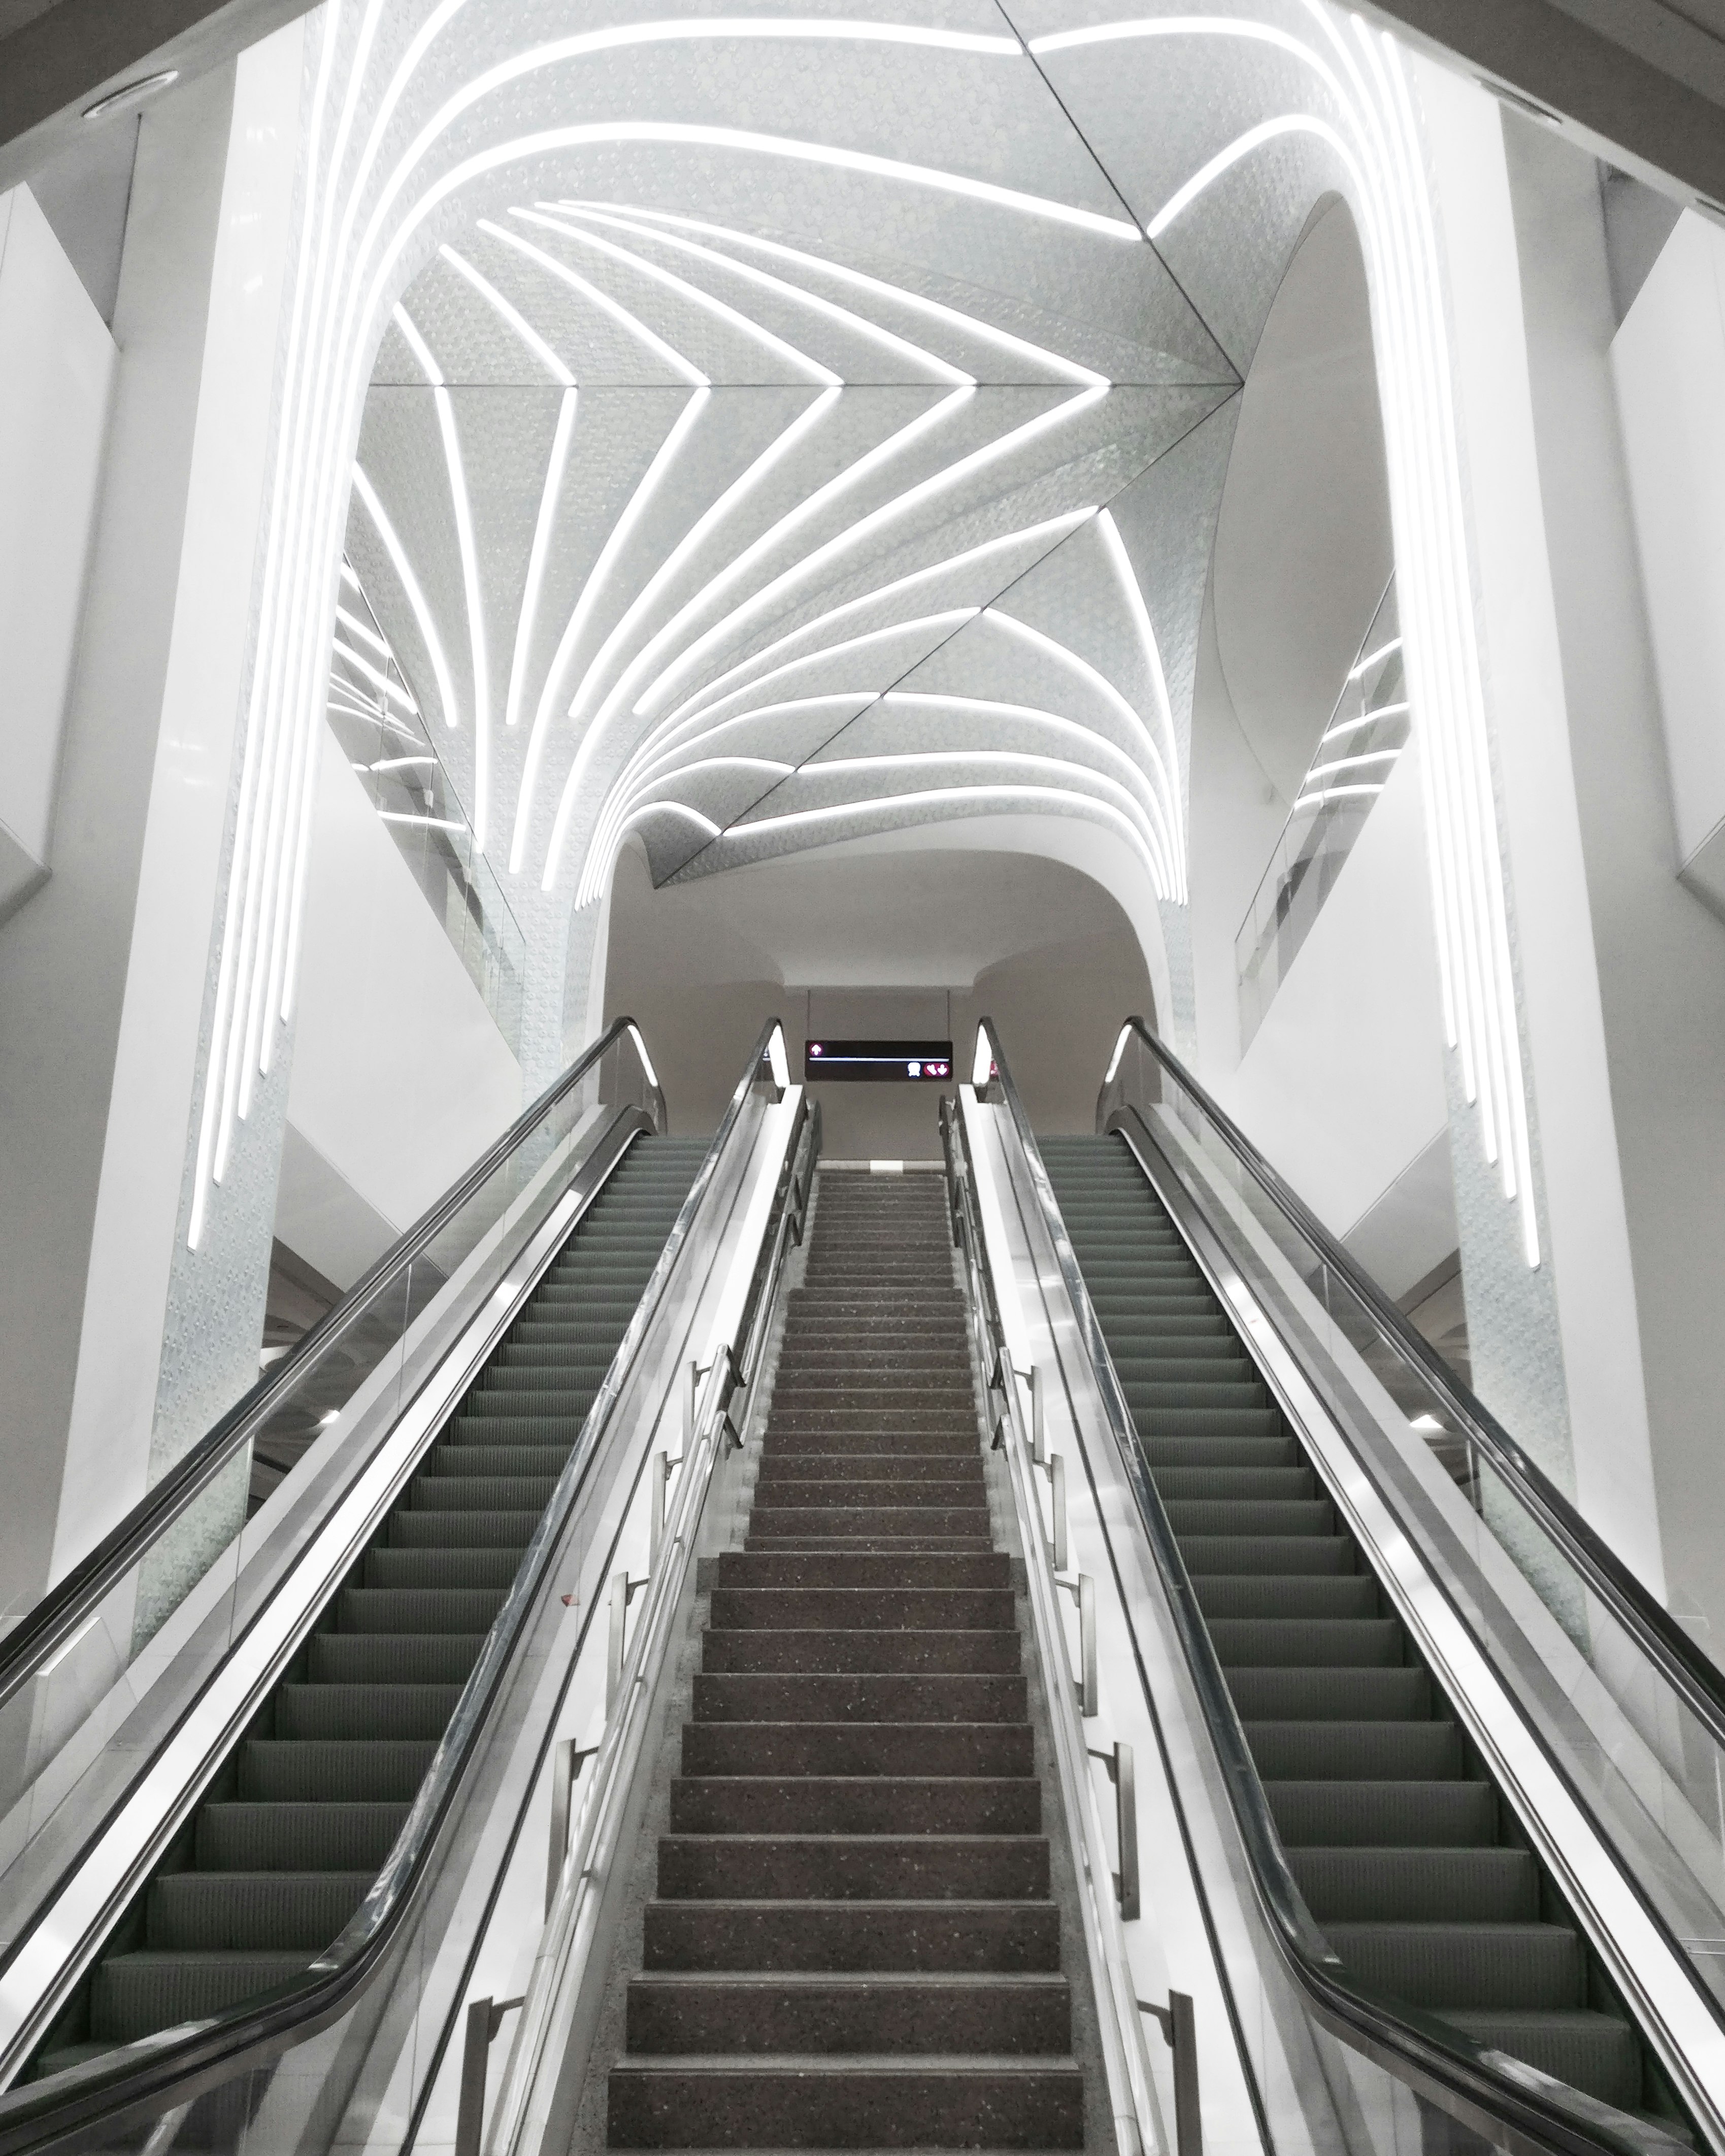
x=56 y=376
x=1343 y=1083
x=400 y=1075
x=1668 y=360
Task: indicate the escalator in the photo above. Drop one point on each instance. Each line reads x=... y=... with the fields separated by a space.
x=1443 y=1779
x=272 y=1765
x=278 y=1856
x=1400 y=1843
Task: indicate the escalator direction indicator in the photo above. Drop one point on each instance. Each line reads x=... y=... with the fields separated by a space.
x=879 y=1062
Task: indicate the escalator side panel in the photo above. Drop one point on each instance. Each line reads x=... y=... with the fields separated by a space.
x=1408 y=1858
x=285 y=1844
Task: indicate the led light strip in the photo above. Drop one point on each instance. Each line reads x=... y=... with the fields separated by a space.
x=467 y=547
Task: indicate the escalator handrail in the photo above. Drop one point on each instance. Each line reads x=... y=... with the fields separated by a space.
x=54 y=1619
x=196 y=2056
x=1684 y=1667
x=1423 y=2047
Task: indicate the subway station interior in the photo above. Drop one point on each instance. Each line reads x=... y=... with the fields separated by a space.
x=862 y=1077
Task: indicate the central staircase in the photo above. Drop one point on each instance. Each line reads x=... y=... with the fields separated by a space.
x=853 y=1942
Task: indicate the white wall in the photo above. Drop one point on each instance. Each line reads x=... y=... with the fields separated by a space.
x=57 y=364
x=400 y=1076
x=1668 y=361
x=1343 y=1086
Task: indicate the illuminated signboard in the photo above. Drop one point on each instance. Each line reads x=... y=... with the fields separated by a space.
x=878 y=1061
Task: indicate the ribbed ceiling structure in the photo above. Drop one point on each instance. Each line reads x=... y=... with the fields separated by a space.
x=747 y=498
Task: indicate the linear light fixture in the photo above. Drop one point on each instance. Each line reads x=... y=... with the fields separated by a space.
x=467 y=546
x=549 y=496
x=423 y=617
x=797 y=294
x=1365 y=719
x=721 y=309
x=602 y=299
x=842 y=273
x=512 y=315
x=1375 y=657
x=593 y=586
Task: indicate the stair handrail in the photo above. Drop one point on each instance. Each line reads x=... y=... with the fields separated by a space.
x=136 y=2078
x=1417 y=2047
x=1689 y=1671
x=55 y=1618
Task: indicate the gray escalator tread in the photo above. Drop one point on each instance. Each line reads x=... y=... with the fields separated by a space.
x=853 y=1940
x=1400 y=1845
x=280 y=1853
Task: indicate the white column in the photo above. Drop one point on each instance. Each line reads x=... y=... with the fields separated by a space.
x=1576 y=1329
x=138 y=1226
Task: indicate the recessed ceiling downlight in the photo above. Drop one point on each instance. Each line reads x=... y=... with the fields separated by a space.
x=132 y=93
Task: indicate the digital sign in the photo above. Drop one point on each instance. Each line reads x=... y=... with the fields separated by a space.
x=878 y=1061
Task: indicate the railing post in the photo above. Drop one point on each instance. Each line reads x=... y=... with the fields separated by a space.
x=565 y=1766
x=1083 y=1592
x=1033 y=1379
x=624 y=1590
x=1057 y=1492
x=1122 y=1773
x=662 y=1466
x=1178 y=2025
x=484 y=2017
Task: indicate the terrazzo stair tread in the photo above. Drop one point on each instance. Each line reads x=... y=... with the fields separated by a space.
x=855 y=1804
x=873 y=1868
x=886 y=1399
x=950 y=1493
x=1480 y=1966
x=1220 y=1556
x=392 y=1658
x=991 y=1749
x=394 y=1710
x=1594 y=2052
x=1286 y=1596
x=895 y=1439
x=803 y=1366
x=763 y=1570
x=972 y=1653
x=1228 y=1485
x=471 y=1567
x=873 y=1696
x=861 y=1609
x=134 y=1995
x=838 y=2014
x=802 y=1467
x=244 y=1912
x=829 y=1937
x=1383 y=1813
x=874 y=1524
x=1418 y=1886
x=333 y=1770
x=1287 y=1642
x=297 y=1837
x=419 y=1608
x=809 y=2103
x=883 y=1545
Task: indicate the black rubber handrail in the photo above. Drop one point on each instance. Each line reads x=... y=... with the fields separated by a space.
x=1419 y=2048
x=160 y=2072
x=1688 y=1671
x=54 y=1619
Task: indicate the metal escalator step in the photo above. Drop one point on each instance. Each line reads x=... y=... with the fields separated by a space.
x=1383 y=1813
x=392 y=1658
x=1220 y=1552
x=418 y=1609
x=1418 y=1886
x=1348 y=1695
x=1286 y=1596
x=1284 y=1643
x=242 y=1911
x=1597 y=2053
x=134 y=1995
x=364 y=1710
x=441 y=1568
x=1479 y=1966
x=297 y=1837
x=1287 y=1751
x=335 y=1771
